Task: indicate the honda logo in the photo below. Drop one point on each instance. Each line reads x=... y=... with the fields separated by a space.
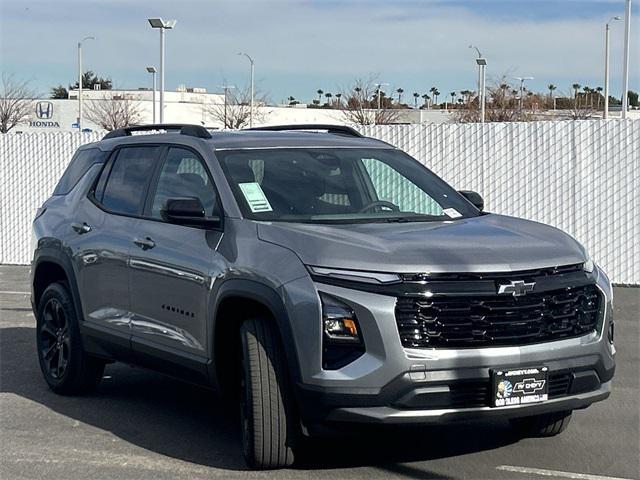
x=516 y=288
x=44 y=110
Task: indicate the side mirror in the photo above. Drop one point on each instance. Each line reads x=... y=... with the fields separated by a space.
x=474 y=198
x=187 y=211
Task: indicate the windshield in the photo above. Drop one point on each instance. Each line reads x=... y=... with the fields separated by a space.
x=339 y=185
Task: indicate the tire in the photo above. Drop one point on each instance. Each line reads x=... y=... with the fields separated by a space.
x=67 y=369
x=547 y=425
x=268 y=422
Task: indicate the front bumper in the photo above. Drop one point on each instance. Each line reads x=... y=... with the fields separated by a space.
x=392 y=384
x=390 y=415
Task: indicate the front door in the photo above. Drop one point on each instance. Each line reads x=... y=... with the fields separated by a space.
x=172 y=266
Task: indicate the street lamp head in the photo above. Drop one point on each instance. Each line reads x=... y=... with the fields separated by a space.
x=481 y=61
x=159 y=23
x=477 y=50
x=152 y=69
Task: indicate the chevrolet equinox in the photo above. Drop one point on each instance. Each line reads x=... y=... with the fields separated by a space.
x=319 y=278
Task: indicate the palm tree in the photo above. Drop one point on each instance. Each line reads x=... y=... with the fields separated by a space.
x=338 y=96
x=400 y=91
x=576 y=87
x=320 y=92
x=435 y=97
x=328 y=95
x=453 y=97
x=426 y=98
x=416 y=96
x=586 y=91
x=599 y=90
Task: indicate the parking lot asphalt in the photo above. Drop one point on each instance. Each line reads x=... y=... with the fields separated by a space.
x=142 y=425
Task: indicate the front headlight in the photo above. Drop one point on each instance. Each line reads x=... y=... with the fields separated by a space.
x=342 y=341
x=588 y=266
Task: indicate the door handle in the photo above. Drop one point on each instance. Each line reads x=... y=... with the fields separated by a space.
x=144 y=243
x=81 y=228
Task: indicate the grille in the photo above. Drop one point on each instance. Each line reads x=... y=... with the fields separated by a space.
x=497 y=320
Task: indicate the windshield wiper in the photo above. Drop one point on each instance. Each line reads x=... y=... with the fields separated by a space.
x=412 y=218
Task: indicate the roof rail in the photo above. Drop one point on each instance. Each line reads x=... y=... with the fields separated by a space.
x=183 y=129
x=335 y=129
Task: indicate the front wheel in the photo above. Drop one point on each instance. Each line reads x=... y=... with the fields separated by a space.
x=268 y=425
x=546 y=425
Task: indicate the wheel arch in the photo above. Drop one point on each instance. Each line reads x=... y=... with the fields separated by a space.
x=50 y=266
x=237 y=300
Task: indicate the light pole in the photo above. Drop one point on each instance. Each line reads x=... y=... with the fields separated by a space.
x=522 y=80
x=482 y=63
x=80 y=81
x=606 y=67
x=162 y=25
x=252 y=87
x=378 y=90
x=625 y=66
x=226 y=89
x=152 y=70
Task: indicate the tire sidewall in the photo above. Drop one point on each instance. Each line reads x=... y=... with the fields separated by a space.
x=60 y=293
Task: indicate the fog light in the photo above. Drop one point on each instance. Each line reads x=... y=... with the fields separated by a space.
x=340 y=323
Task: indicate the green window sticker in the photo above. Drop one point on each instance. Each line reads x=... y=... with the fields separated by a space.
x=255 y=197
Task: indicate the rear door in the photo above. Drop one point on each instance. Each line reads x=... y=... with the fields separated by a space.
x=104 y=228
x=171 y=267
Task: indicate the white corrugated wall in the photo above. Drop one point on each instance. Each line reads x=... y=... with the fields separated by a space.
x=582 y=177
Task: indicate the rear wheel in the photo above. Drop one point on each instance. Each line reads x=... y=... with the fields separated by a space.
x=546 y=425
x=268 y=422
x=65 y=366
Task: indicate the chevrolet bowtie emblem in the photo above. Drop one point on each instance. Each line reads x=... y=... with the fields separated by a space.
x=516 y=288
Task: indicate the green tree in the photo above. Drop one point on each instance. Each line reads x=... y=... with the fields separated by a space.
x=319 y=92
x=90 y=80
x=59 y=92
x=400 y=91
x=633 y=98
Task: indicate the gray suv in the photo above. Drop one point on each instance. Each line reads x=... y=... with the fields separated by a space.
x=318 y=279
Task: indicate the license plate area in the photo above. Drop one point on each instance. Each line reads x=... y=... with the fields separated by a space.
x=522 y=386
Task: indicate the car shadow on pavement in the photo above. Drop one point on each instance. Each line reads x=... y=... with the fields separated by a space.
x=190 y=423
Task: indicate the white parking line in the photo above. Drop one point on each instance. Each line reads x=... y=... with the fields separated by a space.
x=556 y=473
x=8 y=292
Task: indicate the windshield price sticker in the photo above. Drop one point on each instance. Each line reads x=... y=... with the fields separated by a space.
x=255 y=197
x=452 y=213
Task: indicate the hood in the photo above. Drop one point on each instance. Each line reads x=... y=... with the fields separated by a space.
x=488 y=243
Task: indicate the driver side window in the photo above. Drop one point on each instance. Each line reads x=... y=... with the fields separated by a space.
x=392 y=186
x=183 y=175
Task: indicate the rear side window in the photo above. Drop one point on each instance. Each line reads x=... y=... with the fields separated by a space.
x=126 y=182
x=81 y=162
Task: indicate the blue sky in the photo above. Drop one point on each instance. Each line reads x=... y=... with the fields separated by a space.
x=300 y=46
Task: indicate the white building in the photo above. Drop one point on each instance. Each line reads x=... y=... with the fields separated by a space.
x=186 y=105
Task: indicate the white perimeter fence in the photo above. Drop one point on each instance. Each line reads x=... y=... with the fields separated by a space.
x=582 y=177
